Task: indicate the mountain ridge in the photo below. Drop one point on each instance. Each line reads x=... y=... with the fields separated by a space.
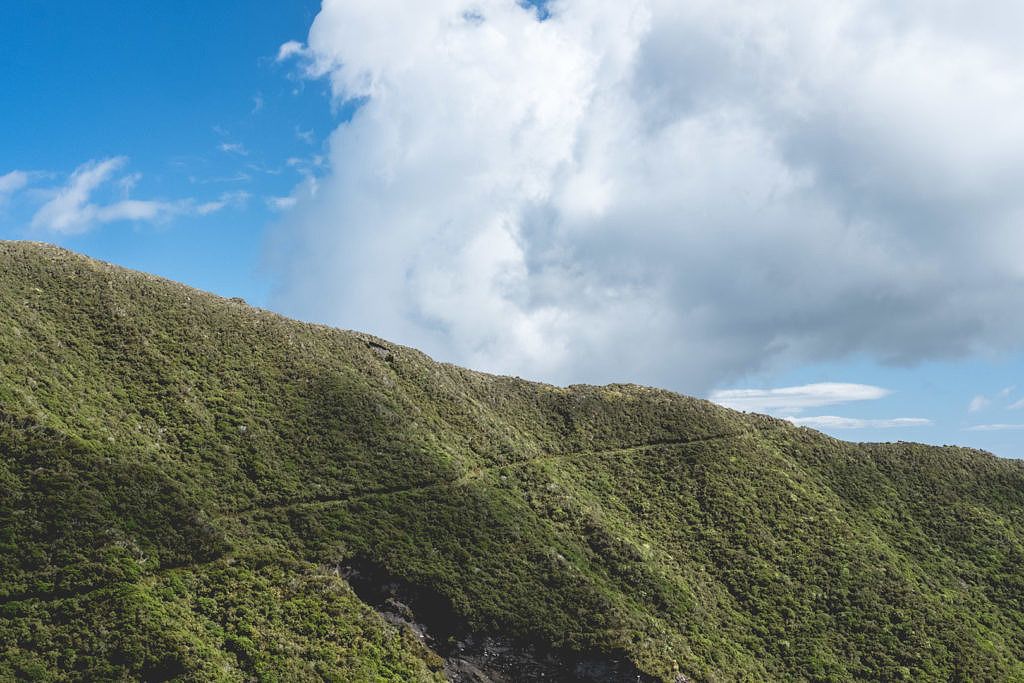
x=190 y=488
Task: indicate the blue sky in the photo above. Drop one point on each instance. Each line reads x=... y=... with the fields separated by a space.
x=190 y=93
x=806 y=211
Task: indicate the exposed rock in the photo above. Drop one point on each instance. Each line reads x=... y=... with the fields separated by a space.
x=472 y=657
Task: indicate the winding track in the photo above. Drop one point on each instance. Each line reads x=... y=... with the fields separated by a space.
x=476 y=473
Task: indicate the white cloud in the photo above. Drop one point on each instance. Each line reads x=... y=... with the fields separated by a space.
x=305 y=190
x=671 y=193
x=11 y=183
x=234 y=148
x=289 y=49
x=227 y=199
x=978 y=403
x=995 y=428
x=281 y=203
x=1016 y=405
x=70 y=210
x=794 y=399
x=128 y=183
x=834 y=422
x=240 y=177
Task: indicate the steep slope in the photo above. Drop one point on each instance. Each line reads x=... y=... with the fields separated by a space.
x=194 y=489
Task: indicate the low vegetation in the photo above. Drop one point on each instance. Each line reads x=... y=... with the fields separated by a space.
x=185 y=479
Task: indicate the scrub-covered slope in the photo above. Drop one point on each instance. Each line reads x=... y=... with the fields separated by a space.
x=194 y=489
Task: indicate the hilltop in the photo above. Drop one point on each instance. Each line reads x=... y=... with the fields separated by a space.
x=194 y=489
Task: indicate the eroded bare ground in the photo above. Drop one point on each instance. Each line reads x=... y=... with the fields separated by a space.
x=471 y=657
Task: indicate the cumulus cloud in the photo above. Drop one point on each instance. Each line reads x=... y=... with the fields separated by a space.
x=795 y=399
x=672 y=193
x=834 y=422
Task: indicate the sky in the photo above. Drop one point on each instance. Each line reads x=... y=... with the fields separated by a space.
x=806 y=208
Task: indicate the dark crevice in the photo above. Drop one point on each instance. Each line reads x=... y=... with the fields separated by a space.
x=475 y=657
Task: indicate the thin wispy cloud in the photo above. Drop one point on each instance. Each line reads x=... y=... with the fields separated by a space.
x=995 y=428
x=235 y=199
x=836 y=422
x=289 y=49
x=305 y=190
x=73 y=209
x=798 y=398
x=128 y=183
x=234 y=148
x=70 y=210
x=978 y=403
x=281 y=203
x=11 y=183
x=240 y=177
x=1016 y=405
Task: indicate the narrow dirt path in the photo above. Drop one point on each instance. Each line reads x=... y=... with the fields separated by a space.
x=476 y=473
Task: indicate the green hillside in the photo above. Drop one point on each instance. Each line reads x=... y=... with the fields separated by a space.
x=193 y=489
